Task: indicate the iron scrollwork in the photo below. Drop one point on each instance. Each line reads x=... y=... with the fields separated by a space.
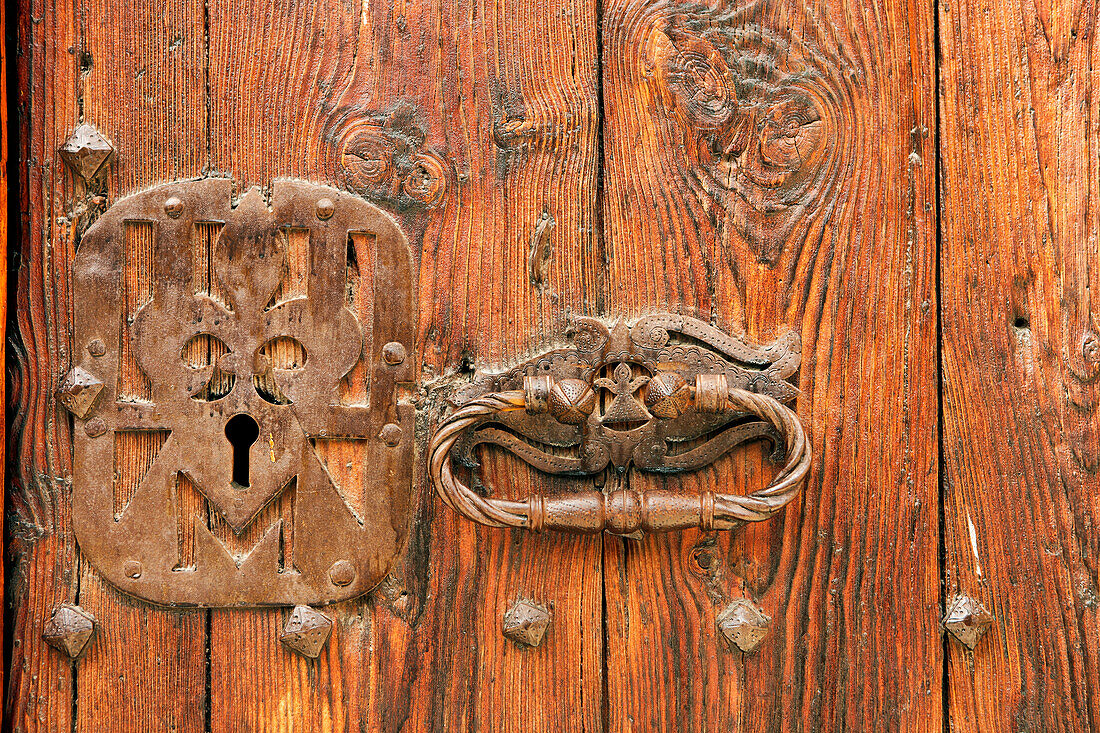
x=668 y=394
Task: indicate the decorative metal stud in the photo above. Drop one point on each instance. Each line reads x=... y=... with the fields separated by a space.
x=325 y=209
x=571 y=401
x=743 y=624
x=78 y=392
x=69 y=630
x=306 y=632
x=967 y=620
x=86 y=151
x=393 y=353
x=525 y=623
x=668 y=396
x=390 y=434
x=342 y=573
x=173 y=207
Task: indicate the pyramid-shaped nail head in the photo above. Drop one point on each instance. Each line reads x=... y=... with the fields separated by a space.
x=69 y=630
x=967 y=620
x=525 y=623
x=306 y=631
x=86 y=151
x=78 y=392
x=743 y=624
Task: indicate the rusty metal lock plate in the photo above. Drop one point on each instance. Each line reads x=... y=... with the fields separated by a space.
x=220 y=337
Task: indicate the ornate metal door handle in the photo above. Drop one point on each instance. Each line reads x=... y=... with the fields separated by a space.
x=669 y=394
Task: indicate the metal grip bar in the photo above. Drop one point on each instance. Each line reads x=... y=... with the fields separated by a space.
x=623 y=511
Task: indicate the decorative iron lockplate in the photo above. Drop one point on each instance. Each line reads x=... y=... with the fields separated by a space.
x=204 y=343
x=667 y=394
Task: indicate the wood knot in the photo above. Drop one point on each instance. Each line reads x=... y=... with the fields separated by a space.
x=762 y=127
x=383 y=156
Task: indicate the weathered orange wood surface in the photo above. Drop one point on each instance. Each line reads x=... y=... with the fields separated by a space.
x=1021 y=358
x=7 y=198
x=766 y=165
x=496 y=118
x=770 y=166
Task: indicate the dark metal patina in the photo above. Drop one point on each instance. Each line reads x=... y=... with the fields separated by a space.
x=337 y=554
x=69 y=630
x=525 y=623
x=668 y=394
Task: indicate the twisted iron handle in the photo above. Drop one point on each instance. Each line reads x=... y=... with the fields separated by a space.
x=623 y=511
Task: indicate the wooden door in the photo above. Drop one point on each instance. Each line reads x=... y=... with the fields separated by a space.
x=909 y=187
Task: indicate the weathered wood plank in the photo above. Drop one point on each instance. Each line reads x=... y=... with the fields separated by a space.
x=40 y=545
x=1021 y=357
x=483 y=118
x=770 y=166
x=7 y=127
x=272 y=90
x=142 y=83
x=135 y=72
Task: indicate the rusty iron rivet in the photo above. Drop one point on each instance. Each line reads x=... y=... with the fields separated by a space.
x=173 y=207
x=86 y=151
x=342 y=573
x=78 y=392
x=229 y=362
x=703 y=555
x=525 y=623
x=306 y=631
x=393 y=353
x=967 y=620
x=325 y=208
x=132 y=569
x=97 y=348
x=390 y=434
x=69 y=630
x=743 y=624
x=95 y=427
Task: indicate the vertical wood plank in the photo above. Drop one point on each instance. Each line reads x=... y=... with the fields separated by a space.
x=770 y=166
x=1021 y=358
x=40 y=544
x=483 y=121
x=6 y=127
x=134 y=71
x=272 y=88
x=142 y=83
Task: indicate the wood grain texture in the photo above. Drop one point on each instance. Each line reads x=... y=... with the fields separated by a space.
x=133 y=70
x=1021 y=358
x=40 y=546
x=469 y=121
x=142 y=85
x=7 y=126
x=770 y=166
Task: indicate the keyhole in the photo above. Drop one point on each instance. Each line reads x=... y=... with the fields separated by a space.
x=241 y=431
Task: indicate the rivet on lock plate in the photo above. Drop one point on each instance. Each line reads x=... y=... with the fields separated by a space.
x=239 y=348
